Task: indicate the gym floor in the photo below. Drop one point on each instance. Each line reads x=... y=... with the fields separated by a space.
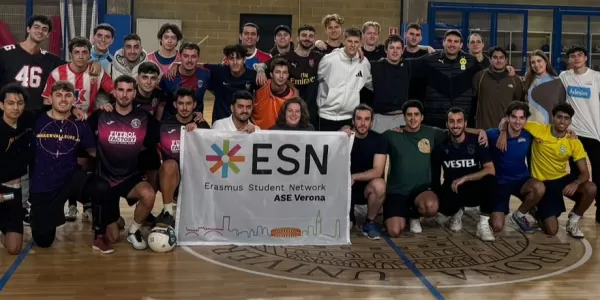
x=444 y=265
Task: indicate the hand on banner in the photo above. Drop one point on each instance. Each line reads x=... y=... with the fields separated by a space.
x=249 y=128
x=352 y=181
x=190 y=127
x=347 y=130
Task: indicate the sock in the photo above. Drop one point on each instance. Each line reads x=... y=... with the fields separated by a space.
x=574 y=218
x=168 y=207
x=134 y=227
x=458 y=214
x=519 y=214
x=483 y=219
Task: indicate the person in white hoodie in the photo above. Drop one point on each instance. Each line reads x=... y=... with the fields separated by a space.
x=128 y=59
x=341 y=74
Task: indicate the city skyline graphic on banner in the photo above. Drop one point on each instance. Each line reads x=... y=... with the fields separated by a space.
x=225 y=158
x=311 y=229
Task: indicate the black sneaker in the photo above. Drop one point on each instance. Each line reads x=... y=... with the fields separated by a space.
x=150 y=221
x=165 y=220
x=26 y=217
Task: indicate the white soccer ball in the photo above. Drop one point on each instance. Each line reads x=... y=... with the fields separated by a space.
x=162 y=239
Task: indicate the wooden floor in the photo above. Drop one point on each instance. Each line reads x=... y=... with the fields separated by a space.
x=446 y=266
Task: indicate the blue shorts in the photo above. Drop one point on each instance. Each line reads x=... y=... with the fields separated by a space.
x=505 y=190
x=553 y=203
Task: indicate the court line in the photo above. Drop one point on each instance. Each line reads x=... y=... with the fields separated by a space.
x=13 y=268
x=432 y=289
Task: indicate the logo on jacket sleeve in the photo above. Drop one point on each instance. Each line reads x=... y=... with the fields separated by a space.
x=359 y=74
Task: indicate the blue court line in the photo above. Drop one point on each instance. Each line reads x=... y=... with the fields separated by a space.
x=15 y=265
x=412 y=268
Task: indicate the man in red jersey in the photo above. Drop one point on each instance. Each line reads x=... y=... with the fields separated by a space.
x=77 y=73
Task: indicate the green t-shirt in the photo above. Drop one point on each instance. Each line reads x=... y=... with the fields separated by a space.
x=410 y=154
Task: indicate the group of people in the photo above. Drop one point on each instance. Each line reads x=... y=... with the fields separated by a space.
x=88 y=129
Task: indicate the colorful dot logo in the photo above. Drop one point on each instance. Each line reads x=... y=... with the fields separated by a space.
x=225 y=159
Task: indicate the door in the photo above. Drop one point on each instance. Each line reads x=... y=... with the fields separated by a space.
x=512 y=35
x=575 y=27
x=440 y=21
x=266 y=24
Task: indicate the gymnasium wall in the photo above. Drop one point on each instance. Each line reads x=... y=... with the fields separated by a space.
x=219 y=19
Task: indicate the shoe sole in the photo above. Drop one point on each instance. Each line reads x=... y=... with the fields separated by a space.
x=575 y=237
x=371 y=238
x=103 y=251
x=479 y=236
x=521 y=229
x=136 y=248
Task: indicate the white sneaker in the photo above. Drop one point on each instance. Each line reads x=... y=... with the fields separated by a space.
x=137 y=240
x=71 y=214
x=86 y=216
x=415 y=226
x=573 y=230
x=456 y=221
x=484 y=232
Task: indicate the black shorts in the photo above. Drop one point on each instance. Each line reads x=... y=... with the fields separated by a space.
x=47 y=208
x=125 y=187
x=505 y=190
x=148 y=160
x=398 y=205
x=11 y=211
x=358 y=193
x=553 y=203
x=470 y=194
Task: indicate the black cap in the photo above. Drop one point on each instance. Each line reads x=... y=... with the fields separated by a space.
x=284 y=28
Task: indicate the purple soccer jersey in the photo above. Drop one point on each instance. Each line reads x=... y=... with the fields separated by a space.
x=121 y=138
x=170 y=135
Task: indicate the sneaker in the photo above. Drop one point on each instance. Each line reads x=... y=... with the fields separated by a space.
x=71 y=214
x=26 y=217
x=165 y=219
x=484 y=232
x=137 y=240
x=573 y=230
x=86 y=216
x=371 y=231
x=455 y=223
x=415 y=226
x=150 y=221
x=523 y=223
x=102 y=244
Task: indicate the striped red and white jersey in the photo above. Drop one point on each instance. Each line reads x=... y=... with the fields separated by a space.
x=86 y=86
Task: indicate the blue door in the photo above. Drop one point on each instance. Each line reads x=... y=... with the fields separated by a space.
x=576 y=27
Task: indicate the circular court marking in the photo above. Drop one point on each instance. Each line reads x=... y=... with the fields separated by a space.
x=446 y=259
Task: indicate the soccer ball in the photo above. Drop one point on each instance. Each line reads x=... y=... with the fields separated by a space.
x=162 y=239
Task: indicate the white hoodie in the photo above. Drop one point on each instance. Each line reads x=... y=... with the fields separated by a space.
x=120 y=66
x=340 y=80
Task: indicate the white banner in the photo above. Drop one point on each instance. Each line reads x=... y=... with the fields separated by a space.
x=264 y=188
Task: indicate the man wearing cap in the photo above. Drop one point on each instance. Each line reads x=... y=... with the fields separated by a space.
x=283 y=40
